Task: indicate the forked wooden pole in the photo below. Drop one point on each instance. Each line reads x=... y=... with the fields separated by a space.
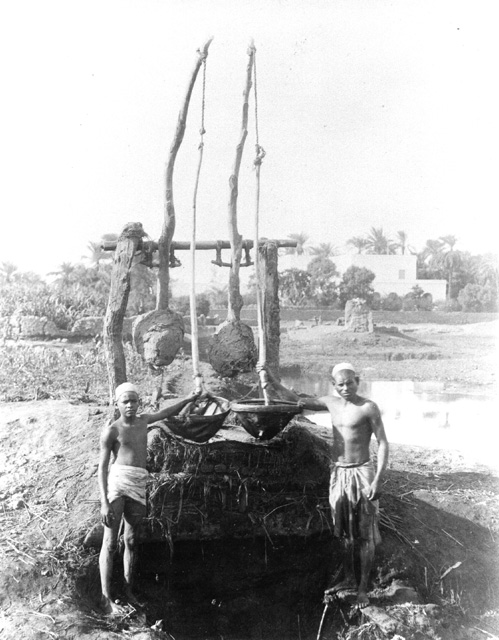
x=169 y=218
x=235 y=300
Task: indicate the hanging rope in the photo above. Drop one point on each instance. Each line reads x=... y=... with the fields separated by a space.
x=260 y=154
x=198 y=378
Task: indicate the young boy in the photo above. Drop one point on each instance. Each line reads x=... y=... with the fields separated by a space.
x=355 y=484
x=123 y=493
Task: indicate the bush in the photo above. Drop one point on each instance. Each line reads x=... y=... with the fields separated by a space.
x=409 y=303
x=376 y=301
x=183 y=306
x=62 y=306
x=475 y=297
x=449 y=306
x=356 y=283
x=417 y=300
x=425 y=303
x=391 y=302
x=294 y=287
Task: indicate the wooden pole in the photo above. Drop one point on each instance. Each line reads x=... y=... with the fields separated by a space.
x=116 y=306
x=268 y=284
x=235 y=300
x=201 y=245
x=169 y=219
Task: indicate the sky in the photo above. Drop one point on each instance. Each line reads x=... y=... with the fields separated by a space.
x=372 y=113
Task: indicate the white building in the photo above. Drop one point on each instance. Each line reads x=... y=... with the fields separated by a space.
x=394 y=273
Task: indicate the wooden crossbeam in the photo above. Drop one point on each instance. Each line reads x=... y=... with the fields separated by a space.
x=204 y=245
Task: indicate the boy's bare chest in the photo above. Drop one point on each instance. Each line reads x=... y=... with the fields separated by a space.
x=348 y=417
x=133 y=437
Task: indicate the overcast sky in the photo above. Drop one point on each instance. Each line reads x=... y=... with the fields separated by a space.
x=372 y=113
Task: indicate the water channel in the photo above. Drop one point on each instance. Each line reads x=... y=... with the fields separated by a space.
x=422 y=414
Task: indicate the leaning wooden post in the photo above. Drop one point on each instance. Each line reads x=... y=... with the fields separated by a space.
x=169 y=219
x=268 y=283
x=235 y=299
x=116 y=306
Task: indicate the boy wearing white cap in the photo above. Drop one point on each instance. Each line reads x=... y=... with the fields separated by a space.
x=123 y=492
x=355 y=484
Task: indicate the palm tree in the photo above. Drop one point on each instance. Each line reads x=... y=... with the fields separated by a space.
x=449 y=240
x=301 y=239
x=486 y=270
x=358 y=242
x=378 y=243
x=402 y=241
x=217 y=295
x=431 y=252
x=450 y=260
x=402 y=244
x=65 y=275
x=324 y=250
x=96 y=253
x=95 y=248
x=7 y=270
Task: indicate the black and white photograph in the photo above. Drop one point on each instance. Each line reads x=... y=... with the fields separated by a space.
x=249 y=317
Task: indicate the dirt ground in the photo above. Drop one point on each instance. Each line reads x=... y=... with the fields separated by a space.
x=440 y=510
x=464 y=357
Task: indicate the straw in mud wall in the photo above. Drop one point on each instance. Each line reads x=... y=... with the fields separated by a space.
x=236 y=488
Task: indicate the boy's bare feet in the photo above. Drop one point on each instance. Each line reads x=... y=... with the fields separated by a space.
x=111 y=608
x=132 y=598
x=362 y=600
x=348 y=584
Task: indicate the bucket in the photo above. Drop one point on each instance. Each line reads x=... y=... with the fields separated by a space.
x=200 y=423
x=264 y=421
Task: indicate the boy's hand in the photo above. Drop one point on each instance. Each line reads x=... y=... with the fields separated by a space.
x=107 y=515
x=374 y=491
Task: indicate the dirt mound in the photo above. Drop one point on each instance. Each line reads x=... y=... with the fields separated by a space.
x=439 y=528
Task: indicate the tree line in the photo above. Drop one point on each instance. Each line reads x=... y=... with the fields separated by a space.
x=472 y=280
x=81 y=289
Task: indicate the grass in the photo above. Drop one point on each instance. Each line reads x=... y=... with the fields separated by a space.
x=77 y=373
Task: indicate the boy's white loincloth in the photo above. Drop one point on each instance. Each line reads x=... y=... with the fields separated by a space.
x=127 y=481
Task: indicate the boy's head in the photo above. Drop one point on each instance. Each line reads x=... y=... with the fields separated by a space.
x=124 y=388
x=127 y=399
x=346 y=381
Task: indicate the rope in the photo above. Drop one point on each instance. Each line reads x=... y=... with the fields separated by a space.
x=198 y=378
x=260 y=154
x=260 y=151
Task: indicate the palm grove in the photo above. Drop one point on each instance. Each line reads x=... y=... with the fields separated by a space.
x=472 y=280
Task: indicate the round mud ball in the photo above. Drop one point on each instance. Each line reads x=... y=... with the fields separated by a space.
x=232 y=349
x=157 y=336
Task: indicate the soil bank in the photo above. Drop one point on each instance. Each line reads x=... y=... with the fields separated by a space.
x=441 y=513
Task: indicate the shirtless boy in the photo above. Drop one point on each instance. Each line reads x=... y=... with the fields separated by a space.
x=355 y=484
x=123 y=493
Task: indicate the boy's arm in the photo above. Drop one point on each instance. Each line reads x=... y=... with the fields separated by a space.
x=107 y=440
x=383 y=448
x=283 y=393
x=171 y=410
x=313 y=404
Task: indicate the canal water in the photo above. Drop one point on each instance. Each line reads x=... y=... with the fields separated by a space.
x=422 y=414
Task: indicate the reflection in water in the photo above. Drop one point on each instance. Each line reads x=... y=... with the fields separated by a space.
x=423 y=414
